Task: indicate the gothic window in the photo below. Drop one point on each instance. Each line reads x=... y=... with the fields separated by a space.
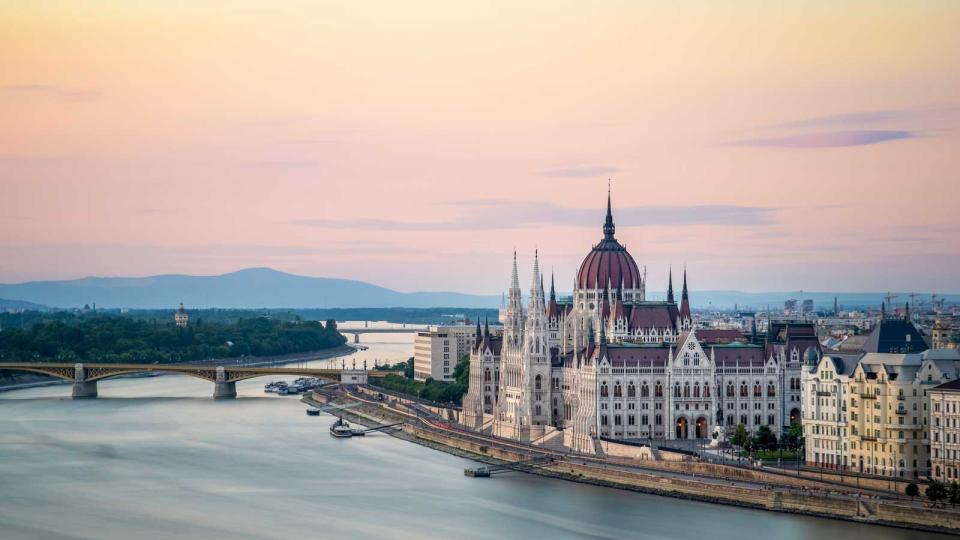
x=659 y=420
x=617 y=420
x=644 y=390
x=658 y=390
x=696 y=390
x=686 y=389
x=729 y=389
x=537 y=410
x=676 y=390
x=486 y=375
x=743 y=392
x=696 y=359
x=631 y=390
x=756 y=389
x=617 y=390
x=706 y=390
x=603 y=420
x=686 y=359
x=538 y=383
x=604 y=392
x=771 y=390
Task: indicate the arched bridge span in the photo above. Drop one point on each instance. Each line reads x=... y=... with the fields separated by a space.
x=85 y=376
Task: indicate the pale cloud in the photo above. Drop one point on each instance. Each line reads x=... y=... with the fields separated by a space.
x=832 y=139
x=582 y=171
x=66 y=94
x=503 y=214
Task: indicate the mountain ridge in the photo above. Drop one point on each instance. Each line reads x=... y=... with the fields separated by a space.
x=260 y=287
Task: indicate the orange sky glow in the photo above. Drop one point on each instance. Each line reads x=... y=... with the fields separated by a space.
x=767 y=146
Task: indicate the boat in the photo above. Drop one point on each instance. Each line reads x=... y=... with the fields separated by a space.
x=341 y=430
x=313 y=411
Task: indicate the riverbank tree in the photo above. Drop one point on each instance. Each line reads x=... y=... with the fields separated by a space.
x=119 y=339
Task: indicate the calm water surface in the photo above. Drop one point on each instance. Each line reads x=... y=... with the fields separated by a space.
x=158 y=458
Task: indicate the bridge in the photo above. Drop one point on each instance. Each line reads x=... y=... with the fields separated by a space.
x=357 y=331
x=225 y=378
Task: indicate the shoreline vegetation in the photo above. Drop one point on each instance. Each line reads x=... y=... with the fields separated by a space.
x=108 y=339
x=439 y=392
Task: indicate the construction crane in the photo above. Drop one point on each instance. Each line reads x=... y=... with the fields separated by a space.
x=888 y=298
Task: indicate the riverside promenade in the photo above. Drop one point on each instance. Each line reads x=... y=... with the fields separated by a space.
x=759 y=488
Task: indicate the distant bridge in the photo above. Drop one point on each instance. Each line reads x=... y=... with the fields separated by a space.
x=357 y=331
x=85 y=376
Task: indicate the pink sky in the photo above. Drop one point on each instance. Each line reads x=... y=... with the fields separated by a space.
x=768 y=146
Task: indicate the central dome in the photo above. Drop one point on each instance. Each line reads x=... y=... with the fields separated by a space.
x=608 y=262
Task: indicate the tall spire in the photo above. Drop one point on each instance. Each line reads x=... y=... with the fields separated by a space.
x=685 y=300
x=670 y=285
x=515 y=277
x=486 y=326
x=608 y=227
x=537 y=283
x=553 y=293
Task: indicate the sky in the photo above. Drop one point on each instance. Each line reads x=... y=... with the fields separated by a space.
x=766 y=146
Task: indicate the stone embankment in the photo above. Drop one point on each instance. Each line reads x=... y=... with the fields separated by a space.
x=766 y=489
x=837 y=504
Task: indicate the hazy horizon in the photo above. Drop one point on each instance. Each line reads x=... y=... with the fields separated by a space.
x=414 y=146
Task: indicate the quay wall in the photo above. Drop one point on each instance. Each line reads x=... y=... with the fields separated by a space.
x=848 y=508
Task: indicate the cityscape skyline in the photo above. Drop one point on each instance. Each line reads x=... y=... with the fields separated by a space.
x=735 y=146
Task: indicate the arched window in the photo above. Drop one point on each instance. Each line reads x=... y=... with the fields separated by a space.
x=696 y=359
x=706 y=390
x=604 y=392
x=617 y=390
x=538 y=382
x=486 y=375
x=644 y=390
x=771 y=390
x=658 y=390
x=729 y=389
x=686 y=389
x=631 y=390
x=743 y=391
x=537 y=410
x=696 y=390
x=676 y=390
x=756 y=389
x=686 y=359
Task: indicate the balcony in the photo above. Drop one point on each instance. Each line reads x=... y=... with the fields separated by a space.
x=901 y=412
x=867 y=396
x=868 y=438
x=821 y=393
x=901 y=398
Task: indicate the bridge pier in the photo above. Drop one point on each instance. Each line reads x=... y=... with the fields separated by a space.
x=225 y=390
x=356 y=338
x=84 y=389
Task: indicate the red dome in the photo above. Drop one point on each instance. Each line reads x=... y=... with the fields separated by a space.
x=608 y=263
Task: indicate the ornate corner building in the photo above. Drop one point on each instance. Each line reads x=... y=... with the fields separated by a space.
x=608 y=363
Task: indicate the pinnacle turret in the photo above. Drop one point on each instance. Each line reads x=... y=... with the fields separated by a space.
x=608 y=227
x=670 y=285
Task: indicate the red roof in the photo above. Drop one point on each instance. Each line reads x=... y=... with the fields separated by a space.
x=718 y=335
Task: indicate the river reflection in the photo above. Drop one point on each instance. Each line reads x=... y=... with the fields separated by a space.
x=158 y=458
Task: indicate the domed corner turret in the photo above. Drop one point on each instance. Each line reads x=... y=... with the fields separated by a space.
x=811 y=357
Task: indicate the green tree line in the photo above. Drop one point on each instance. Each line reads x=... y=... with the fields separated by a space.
x=431 y=389
x=121 y=339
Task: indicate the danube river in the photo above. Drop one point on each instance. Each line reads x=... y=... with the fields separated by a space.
x=158 y=458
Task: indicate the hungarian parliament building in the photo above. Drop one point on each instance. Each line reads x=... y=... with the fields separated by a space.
x=608 y=363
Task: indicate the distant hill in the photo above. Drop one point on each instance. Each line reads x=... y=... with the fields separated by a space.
x=250 y=288
x=20 y=305
x=266 y=288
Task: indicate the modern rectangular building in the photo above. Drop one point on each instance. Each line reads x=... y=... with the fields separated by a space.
x=437 y=351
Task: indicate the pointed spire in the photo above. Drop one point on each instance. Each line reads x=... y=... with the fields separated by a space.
x=906 y=312
x=553 y=293
x=515 y=276
x=608 y=227
x=478 y=334
x=670 y=285
x=536 y=284
x=883 y=310
x=683 y=295
x=685 y=300
x=486 y=326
